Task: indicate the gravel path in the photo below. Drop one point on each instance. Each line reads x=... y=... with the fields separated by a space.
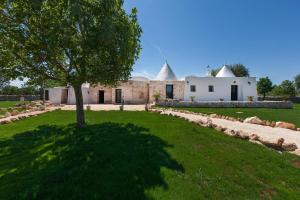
x=266 y=133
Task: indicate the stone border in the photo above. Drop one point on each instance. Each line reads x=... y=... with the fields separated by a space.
x=25 y=115
x=258 y=121
x=228 y=104
x=280 y=145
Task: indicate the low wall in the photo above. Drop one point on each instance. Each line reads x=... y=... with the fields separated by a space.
x=292 y=99
x=18 y=97
x=228 y=104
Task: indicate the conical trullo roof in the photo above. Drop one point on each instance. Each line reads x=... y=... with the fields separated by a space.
x=225 y=72
x=166 y=74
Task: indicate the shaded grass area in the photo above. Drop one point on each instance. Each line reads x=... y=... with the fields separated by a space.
x=287 y=115
x=137 y=155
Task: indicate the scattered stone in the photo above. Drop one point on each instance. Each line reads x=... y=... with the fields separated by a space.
x=298 y=129
x=256 y=142
x=289 y=146
x=253 y=120
x=213 y=115
x=7 y=121
x=273 y=124
x=285 y=125
x=14 y=112
x=7 y=114
x=254 y=137
x=296 y=152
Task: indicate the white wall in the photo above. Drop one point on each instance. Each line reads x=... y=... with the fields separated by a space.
x=71 y=95
x=222 y=88
x=55 y=95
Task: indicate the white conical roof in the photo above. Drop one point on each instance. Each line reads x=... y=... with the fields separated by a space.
x=225 y=72
x=166 y=74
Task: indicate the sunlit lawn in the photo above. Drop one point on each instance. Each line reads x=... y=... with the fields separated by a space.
x=137 y=155
x=6 y=104
x=288 y=115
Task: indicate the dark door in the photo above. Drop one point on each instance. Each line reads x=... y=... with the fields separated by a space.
x=234 y=93
x=118 y=96
x=46 y=95
x=101 y=96
x=64 y=96
x=169 y=91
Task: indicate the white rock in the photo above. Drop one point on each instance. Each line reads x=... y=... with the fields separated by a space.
x=253 y=120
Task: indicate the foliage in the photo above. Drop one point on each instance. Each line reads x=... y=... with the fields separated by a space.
x=156 y=96
x=75 y=42
x=297 y=82
x=285 y=89
x=288 y=88
x=24 y=90
x=137 y=155
x=264 y=85
x=192 y=98
x=239 y=70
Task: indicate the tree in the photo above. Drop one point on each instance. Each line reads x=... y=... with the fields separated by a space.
x=75 y=42
x=3 y=81
x=297 y=82
x=288 y=88
x=264 y=85
x=10 y=90
x=239 y=70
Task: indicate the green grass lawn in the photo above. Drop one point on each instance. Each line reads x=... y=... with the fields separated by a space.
x=137 y=155
x=6 y=104
x=287 y=115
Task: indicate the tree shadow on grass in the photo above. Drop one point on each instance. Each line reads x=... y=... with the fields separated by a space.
x=103 y=161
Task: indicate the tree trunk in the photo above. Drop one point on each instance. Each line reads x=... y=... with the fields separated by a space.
x=264 y=96
x=79 y=106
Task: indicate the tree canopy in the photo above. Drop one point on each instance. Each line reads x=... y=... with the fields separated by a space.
x=239 y=70
x=285 y=89
x=76 y=41
x=264 y=85
x=297 y=82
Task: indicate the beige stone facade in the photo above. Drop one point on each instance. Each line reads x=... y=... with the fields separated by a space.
x=130 y=92
x=159 y=87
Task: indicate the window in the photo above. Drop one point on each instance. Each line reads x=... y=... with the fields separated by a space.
x=211 y=88
x=193 y=88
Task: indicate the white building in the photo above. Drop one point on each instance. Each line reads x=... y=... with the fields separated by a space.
x=140 y=90
x=225 y=86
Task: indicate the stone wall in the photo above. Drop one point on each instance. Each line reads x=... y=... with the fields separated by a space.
x=133 y=92
x=160 y=87
x=94 y=94
x=228 y=104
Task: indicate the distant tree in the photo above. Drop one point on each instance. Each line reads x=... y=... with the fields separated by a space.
x=214 y=72
x=28 y=90
x=276 y=91
x=264 y=85
x=93 y=41
x=10 y=90
x=3 y=82
x=288 y=88
x=239 y=70
x=297 y=82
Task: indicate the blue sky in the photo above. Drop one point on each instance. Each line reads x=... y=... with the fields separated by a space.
x=264 y=35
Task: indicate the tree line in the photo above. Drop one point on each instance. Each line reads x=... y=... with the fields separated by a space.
x=286 y=88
